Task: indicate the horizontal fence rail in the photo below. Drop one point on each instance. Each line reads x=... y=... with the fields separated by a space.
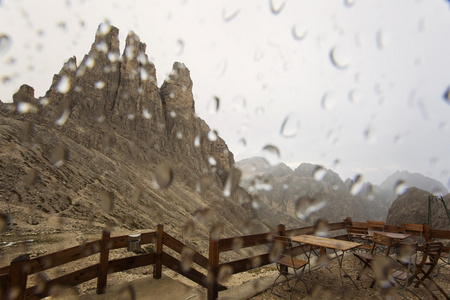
x=14 y=277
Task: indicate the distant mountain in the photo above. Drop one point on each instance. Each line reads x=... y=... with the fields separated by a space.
x=299 y=197
x=281 y=189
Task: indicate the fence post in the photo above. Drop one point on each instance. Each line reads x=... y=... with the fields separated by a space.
x=427 y=233
x=17 y=280
x=157 y=269
x=281 y=230
x=104 y=262
x=213 y=291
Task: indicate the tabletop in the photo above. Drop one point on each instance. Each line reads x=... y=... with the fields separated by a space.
x=392 y=235
x=325 y=242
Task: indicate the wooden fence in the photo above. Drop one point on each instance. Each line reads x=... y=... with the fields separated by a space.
x=13 y=278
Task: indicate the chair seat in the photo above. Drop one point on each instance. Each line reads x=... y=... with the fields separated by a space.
x=364 y=247
x=292 y=262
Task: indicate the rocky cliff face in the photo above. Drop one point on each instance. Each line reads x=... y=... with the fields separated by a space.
x=412 y=207
x=102 y=146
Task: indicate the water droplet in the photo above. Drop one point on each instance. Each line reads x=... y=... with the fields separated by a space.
x=212 y=135
x=216 y=231
x=5 y=43
x=186 y=258
x=63 y=85
x=4 y=222
x=319 y=173
x=180 y=44
x=370 y=135
x=276 y=6
x=299 y=31
x=232 y=181
x=104 y=28
x=197 y=142
x=256 y=201
x=259 y=111
x=107 y=142
x=382 y=39
x=146 y=114
x=239 y=103
x=277 y=250
x=144 y=75
x=271 y=153
x=163 y=176
x=99 y=84
x=107 y=202
x=204 y=215
x=290 y=126
x=59 y=156
x=446 y=95
x=203 y=184
x=243 y=196
x=229 y=13
x=329 y=101
x=26 y=107
x=221 y=68
x=354 y=96
x=356 y=185
x=213 y=105
x=400 y=187
x=305 y=206
x=127 y=293
x=188 y=229
x=62 y=112
x=101 y=47
x=224 y=273
x=243 y=142
x=113 y=56
x=349 y=3
x=340 y=58
x=237 y=244
x=212 y=161
x=136 y=195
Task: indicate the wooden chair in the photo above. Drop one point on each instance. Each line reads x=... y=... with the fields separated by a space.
x=376 y=225
x=367 y=258
x=286 y=261
x=419 y=273
x=414 y=228
x=358 y=234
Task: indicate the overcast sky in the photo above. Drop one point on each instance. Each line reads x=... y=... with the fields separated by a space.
x=359 y=85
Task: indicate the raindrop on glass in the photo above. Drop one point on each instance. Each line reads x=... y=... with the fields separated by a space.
x=163 y=176
x=104 y=28
x=62 y=112
x=356 y=185
x=400 y=187
x=4 y=222
x=256 y=201
x=370 y=135
x=339 y=57
x=63 y=85
x=259 y=111
x=212 y=135
x=290 y=126
x=232 y=181
x=99 y=84
x=354 y=96
x=213 y=105
x=203 y=184
x=216 y=231
x=26 y=107
x=107 y=202
x=321 y=228
x=229 y=13
x=299 y=31
x=382 y=39
x=349 y=3
x=188 y=229
x=180 y=44
x=186 y=258
x=197 y=141
x=237 y=243
x=319 y=173
x=5 y=43
x=146 y=114
x=59 y=156
x=305 y=206
x=113 y=56
x=271 y=153
x=446 y=95
x=102 y=47
x=212 y=161
x=329 y=101
x=224 y=274
x=136 y=195
x=276 y=6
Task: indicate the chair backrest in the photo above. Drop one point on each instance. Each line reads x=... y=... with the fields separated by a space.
x=430 y=257
x=356 y=232
x=376 y=225
x=379 y=239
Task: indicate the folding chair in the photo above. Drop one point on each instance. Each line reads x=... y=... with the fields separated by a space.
x=376 y=225
x=286 y=261
x=358 y=234
x=418 y=273
x=444 y=260
x=411 y=228
x=367 y=258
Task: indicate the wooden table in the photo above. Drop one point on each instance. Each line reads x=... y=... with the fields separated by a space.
x=329 y=243
x=392 y=235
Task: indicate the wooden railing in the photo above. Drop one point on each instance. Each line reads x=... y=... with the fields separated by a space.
x=13 y=278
